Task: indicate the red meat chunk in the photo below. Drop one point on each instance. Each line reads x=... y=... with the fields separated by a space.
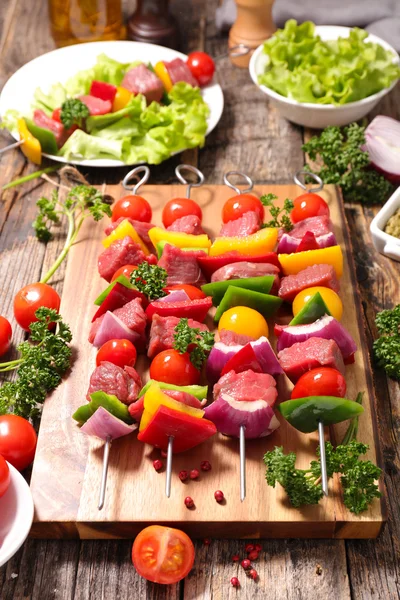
x=162 y=331
x=179 y=71
x=189 y=224
x=181 y=265
x=323 y=275
x=120 y=253
x=316 y=225
x=311 y=354
x=140 y=80
x=96 y=106
x=125 y=383
x=246 y=225
x=132 y=315
x=247 y=386
x=142 y=229
x=231 y=338
x=42 y=120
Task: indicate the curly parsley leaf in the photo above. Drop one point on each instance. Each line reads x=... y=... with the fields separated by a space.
x=280 y=216
x=387 y=346
x=150 y=280
x=200 y=342
x=73 y=111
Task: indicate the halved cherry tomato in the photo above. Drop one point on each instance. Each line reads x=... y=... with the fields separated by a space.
x=56 y=116
x=308 y=205
x=5 y=477
x=236 y=206
x=17 y=441
x=193 y=292
x=30 y=298
x=171 y=367
x=133 y=207
x=202 y=66
x=162 y=554
x=119 y=352
x=180 y=207
x=125 y=270
x=5 y=335
x=323 y=381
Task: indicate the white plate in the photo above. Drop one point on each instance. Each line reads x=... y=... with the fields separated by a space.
x=383 y=242
x=16 y=515
x=59 y=65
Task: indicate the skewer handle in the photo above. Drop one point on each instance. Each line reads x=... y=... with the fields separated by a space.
x=103 y=484
x=322 y=453
x=170 y=450
x=11 y=146
x=242 y=441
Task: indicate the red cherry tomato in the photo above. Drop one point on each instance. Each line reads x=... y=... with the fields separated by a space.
x=236 y=206
x=4 y=476
x=180 y=207
x=308 y=205
x=171 y=367
x=125 y=270
x=323 y=381
x=193 y=292
x=56 y=116
x=118 y=352
x=17 y=441
x=5 y=335
x=30 y=298
x=201 y=66
x=162 y=554
x=134 y=207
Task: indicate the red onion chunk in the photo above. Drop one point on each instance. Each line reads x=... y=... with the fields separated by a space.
x=266 y=357
x=382 y=138
x=103 y=424
x=289 y=244
x=112 y=328
x=228 y=415
x=175 y=296
x=217 y=359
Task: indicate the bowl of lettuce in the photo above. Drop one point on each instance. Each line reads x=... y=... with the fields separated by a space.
x=139 y=133
x=318 y=76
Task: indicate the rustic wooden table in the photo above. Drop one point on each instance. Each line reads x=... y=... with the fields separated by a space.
x=252 y=136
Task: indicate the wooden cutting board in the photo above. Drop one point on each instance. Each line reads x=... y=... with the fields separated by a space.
x=67 y=469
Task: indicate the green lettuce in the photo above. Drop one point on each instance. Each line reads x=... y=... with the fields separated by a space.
x=53 y=99
x=305 y=68
x=81 y=145
x=106 y=69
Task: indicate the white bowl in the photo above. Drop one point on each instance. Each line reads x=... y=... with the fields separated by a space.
x=383 y=242
x=319 y=116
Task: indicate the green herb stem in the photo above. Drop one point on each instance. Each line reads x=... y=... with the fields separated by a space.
x=63 y=254
x=30 y=177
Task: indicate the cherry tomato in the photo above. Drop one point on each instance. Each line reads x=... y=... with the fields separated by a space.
x=202 y=67
x=134 y=207
x=323 y=381
x=180 y=207
x=30 y=298
x=5 y=477
x=244 y=320
x=193 y=292
x=125 y=270
x=162 y=554
x=56 y=116
x=331 y=299
x=308 y=205
x=17 y=441
x=236 y=206
x=5 y=335
x=171 y=367
x=118 y=352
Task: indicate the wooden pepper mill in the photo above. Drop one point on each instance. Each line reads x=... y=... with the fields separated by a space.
x=253 y=25
x=153 y=23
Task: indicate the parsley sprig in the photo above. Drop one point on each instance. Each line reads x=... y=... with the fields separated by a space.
x=280 y=216
x=43 y=361
x=81 y=202
x=199 y=342
x=387 y=346
x=150 y=280
x=73 y=111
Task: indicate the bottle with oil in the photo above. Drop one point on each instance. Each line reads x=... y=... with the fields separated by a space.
x=78 y=21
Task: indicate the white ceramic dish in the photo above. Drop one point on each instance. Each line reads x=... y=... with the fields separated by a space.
x=319 y=116
x=59 y=65
x=383 y=242
x=16 y=516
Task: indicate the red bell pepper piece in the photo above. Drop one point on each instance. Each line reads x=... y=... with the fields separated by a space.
x=243 y=360
x=119 y=296
x=188 y=309
x=103 y=90
x=308 y=242
x=210 y=264
x=186 y=430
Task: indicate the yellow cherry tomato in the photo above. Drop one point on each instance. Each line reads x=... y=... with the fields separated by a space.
x=162 y=73
x=331 y=299
x=121 y=99
x=244 y=320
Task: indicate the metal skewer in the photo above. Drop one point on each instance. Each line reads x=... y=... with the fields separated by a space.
x=248 y=180
x=313 y=176
x=322 y=454
x=169 y=466
x=106 y=456
x=126 y=182
x=11 y=146
x=190 y=185
x=242 y=442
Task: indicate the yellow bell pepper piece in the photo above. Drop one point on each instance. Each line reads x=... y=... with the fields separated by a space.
x=256 y=243
x=155 y=397
x=162 y=73
x=181 y=240
x=31 y=146
x=125 y=228
x=121 y=99
x=293 y=263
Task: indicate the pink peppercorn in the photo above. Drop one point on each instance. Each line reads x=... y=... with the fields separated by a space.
x=235 y=582
x=189 y=502
x=219 y=496
x=249 y=547
x=246 y=564
x=158 y=464
x=194 y=473
x=235 y=558
x=258 y=547
x=253 y=555
x=206 y=541
x=205 y=465
x=183 y=475
x=253 y=574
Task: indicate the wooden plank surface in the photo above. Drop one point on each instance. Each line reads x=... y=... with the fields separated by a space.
x=358 y=569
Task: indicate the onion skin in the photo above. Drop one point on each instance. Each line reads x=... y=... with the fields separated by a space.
x=289 y=244
x=382 y=143
x=175 y=296
x=217 y=359
x=112 y=328
x=103 y=424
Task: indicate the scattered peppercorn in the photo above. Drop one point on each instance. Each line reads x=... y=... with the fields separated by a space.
x=235 y=582
x=258 y=547
x=219 y=496
x=246 y=564
x=205 y=465
x=189 y=502
x=249 y=547
x=183 y=475
x=194 y=473
x=206 y=541
x=158 y=464
x=253 y=555
x=253 y=574
x=235 y=558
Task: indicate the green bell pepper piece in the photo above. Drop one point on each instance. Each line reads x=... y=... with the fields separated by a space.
x=311 y=311
x=46 y=138
x=161 y=245
x=198 y=391
x=217 y=289
x=235 y=296
x=305 y=413
x=121 y=279
x=107 y=401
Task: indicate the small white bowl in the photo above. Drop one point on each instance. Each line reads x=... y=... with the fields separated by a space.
x=319 y=116
x=383 y=242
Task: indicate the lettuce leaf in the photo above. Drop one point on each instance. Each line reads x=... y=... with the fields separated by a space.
x=82 y=145
x=106 y=69
x=305 y=68
x=53 y=99
x=134 y=108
